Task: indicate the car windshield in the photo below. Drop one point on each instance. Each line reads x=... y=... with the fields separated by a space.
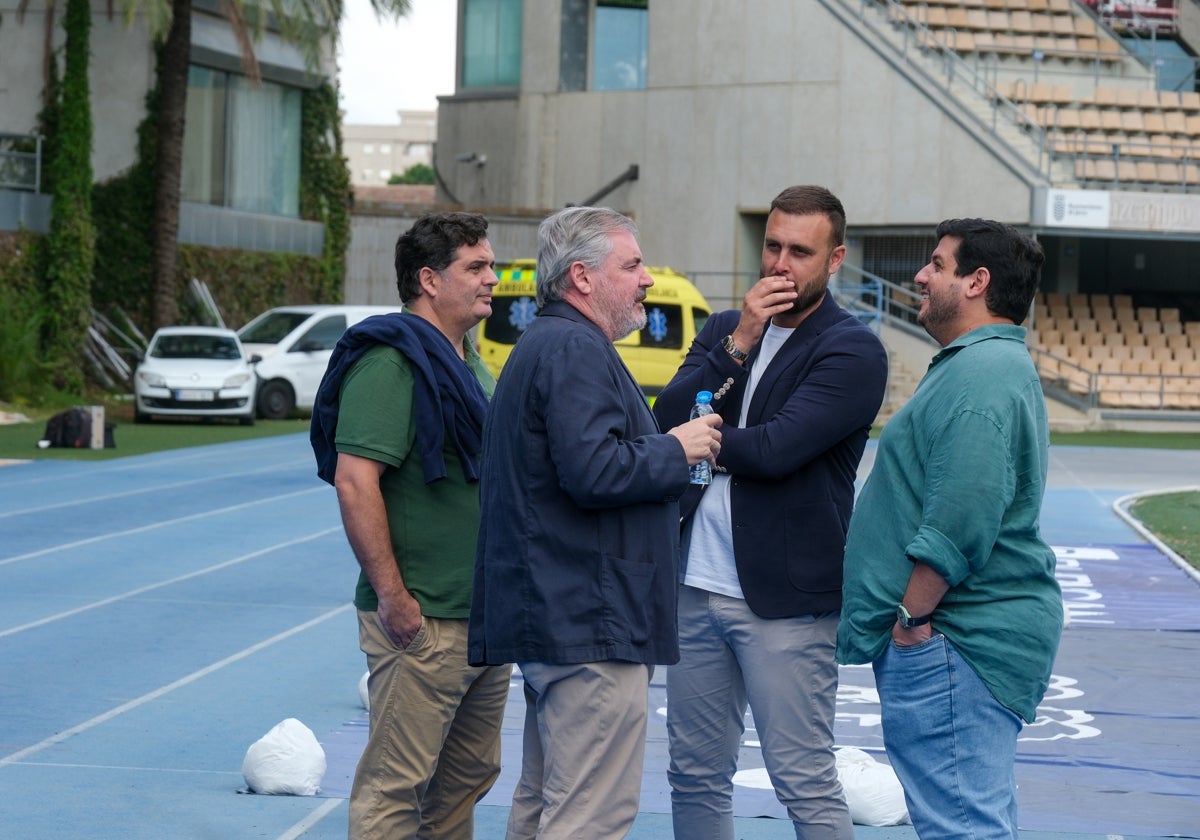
x=273 y=328
x=195 y=347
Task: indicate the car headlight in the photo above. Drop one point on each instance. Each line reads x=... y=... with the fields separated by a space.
x=237 y=380
x=154 y=380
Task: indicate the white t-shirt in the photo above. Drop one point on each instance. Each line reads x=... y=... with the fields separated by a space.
x=710 y=563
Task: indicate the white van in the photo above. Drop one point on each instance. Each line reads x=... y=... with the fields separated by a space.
x=295 y=343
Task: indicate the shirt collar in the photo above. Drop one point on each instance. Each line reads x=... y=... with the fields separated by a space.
x=1007 y=332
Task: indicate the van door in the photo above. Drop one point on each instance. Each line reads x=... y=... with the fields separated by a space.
x=309 y=356
x=654 y=352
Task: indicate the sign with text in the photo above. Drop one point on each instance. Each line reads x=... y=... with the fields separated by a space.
x=1118 y=210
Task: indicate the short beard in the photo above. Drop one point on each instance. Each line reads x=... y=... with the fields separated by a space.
x=936 y=317
x=804 y=302
x=631 y=326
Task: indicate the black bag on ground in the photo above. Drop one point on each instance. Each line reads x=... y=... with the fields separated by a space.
x=71 y=428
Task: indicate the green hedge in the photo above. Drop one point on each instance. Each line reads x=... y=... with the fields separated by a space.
x=244 y=283
x=24 y=377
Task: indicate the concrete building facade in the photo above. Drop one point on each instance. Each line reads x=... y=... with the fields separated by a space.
x=375 y=153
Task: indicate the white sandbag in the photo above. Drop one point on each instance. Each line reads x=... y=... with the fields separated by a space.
x=873 y=792
x=287 y=760
x=363 y=694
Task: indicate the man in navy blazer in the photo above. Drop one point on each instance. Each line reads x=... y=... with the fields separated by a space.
x=798 y=381
x=577 y=555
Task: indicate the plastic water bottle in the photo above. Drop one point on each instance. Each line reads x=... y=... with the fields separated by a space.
x=701 y=473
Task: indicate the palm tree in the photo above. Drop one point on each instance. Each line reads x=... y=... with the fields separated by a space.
x=311 y=25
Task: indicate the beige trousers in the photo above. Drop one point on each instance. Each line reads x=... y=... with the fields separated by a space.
x=434 y=746
x=584 y=742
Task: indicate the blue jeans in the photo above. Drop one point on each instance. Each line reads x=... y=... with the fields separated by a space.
x=951 y=744
x=785 y=669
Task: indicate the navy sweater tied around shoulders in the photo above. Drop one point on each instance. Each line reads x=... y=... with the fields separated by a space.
x=447 y=398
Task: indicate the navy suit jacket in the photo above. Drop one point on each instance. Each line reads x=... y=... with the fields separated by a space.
x=577 y=557
x=792 y=467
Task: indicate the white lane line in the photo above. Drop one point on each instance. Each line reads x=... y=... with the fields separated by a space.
x=156 y=488
x=66 y=734
x=1059 y=464
x=151 y=587
x=312 y=819
x=131 y=768
x=155 y=525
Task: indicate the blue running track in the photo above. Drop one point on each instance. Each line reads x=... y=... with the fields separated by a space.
x=160 y=613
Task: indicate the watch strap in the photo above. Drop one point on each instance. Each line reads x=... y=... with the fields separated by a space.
x=732 y=349
x=908 y=621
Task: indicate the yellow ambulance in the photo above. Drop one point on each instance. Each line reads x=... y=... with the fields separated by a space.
x=675 y=312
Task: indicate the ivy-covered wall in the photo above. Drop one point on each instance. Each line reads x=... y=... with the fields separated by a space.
x=243 y=283
x=325 y=182
x=72 y=237
x=23 y=371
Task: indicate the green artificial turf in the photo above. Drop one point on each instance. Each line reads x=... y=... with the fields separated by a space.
x=1140 y=440
x=19 y=440
x=1175 y=519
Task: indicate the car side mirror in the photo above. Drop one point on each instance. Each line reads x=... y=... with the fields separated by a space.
x=255 y=359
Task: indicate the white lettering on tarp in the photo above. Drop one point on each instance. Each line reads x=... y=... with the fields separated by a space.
x=858 y=709
x=1053 y=723
x=865 y=721
x=1061 y=688
x=1057 y=724
x=1082 y=601
x=1087 y=552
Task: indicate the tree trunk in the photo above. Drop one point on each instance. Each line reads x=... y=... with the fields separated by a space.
x=173 y=81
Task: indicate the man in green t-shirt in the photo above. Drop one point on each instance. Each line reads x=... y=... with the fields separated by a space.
x=401 y=410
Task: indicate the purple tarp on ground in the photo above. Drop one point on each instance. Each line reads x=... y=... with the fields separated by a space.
x=1106 y=755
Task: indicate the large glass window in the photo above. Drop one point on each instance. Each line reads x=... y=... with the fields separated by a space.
x=619 y=46
x=264 y=151
x=203 y=178
x=610 y=37
x=242 y=144
x=491 y=51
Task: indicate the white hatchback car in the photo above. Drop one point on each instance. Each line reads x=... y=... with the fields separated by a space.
x=195 y=372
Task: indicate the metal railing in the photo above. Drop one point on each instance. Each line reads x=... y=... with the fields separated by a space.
x=1086 y=388
x=880 y=301
x=916 y=40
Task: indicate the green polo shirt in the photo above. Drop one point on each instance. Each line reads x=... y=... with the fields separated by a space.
x=433 y=526
x=957 y=484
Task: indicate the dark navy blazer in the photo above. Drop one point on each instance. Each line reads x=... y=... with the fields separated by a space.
x=577 y=558
x=792 y=467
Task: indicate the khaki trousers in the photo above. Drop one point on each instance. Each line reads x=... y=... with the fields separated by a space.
x=584 y=742
x=434 y=745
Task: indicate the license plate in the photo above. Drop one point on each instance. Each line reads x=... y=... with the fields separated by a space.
x=195 y=396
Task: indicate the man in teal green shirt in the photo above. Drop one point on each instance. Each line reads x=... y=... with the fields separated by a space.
x=397 y=429
x=949 y=588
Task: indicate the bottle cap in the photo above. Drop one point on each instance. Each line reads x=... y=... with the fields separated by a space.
x=704 y=397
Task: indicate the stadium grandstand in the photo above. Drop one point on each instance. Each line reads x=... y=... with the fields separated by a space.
x=1078 y=122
